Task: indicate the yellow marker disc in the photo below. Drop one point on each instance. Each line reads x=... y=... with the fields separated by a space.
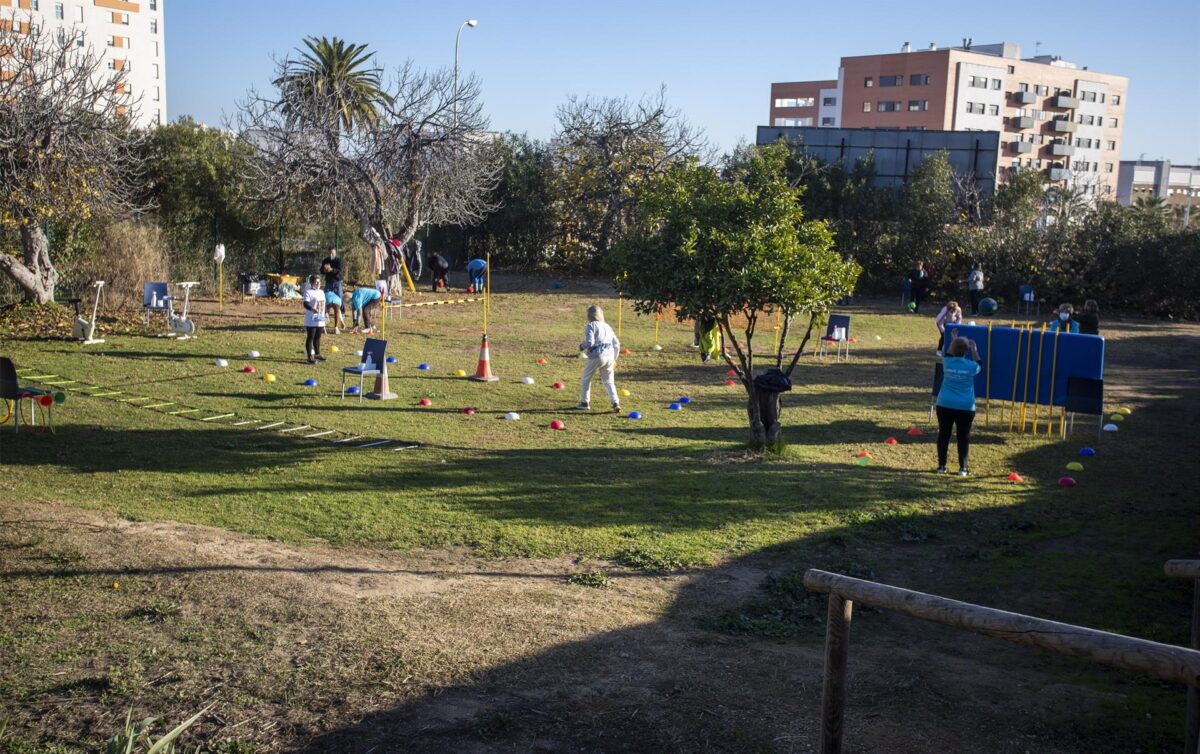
x=1117 y=418
x=1075 y=466
x=268 y=378
x=624 y=393
x=460 y=373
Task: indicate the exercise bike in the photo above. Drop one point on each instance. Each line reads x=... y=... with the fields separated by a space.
x=179 y=326
x=85 y=331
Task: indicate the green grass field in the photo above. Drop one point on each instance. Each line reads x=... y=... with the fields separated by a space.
x=674 y=489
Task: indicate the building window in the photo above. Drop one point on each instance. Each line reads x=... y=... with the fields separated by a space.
x=1041 y=89
x=1116 y=99
x=1012 y=69
x=979 y=82
x=780 y=102
x=153 y=4
x=993 y=109
x=997 y=84
x=58 y=11
x=1112 y=146
x=868 y=82
x=918 y=105
x=785 y=102
x=1112 y=122
x=156 y=48
x=829 y=102
x=154 y=26
x=60 y=34
x=1108 y=167
x=866 y=107
x=158 y=117
x=828 y=121
x=891 y=80
x=918 y=79
x=157 y=94
x=975 y=108
x=155 y=68
x=889 y=106
x=78 y=14
x=112 y=41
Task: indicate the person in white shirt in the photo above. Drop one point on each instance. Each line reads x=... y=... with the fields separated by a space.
x=314 y=319
x=950 y=314
x=974 y=283
x=601 y=345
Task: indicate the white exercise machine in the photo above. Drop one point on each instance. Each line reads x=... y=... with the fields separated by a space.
x=179 y=326
x=84 y=330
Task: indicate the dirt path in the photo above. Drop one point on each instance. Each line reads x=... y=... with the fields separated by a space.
x=319 y=649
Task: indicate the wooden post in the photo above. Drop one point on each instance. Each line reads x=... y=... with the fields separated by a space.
x=837 y=651
x=1193 y=694
x=1190 y=569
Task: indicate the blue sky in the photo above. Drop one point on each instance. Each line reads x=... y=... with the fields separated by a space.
x=717 y=59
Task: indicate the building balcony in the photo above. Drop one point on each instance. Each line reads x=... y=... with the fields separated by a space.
x=1020 y=122
x=1064 y=102
x=1062 y=126
x=1021 y=147
x=1024 y=98
x=1062 y=150
x=1060 y=174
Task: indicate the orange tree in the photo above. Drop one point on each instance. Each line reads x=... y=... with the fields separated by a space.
x=734 y=245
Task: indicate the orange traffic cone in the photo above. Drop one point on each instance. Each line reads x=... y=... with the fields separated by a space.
x=483 y=373
x=382 y=391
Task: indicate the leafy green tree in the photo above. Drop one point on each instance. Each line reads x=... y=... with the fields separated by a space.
x=195 y=175
x=338 y=74
x=735 y=245
x=927 y=207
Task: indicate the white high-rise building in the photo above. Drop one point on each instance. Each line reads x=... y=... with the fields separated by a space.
x=129 y=35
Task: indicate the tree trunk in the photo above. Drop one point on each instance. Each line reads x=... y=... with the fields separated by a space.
x=763 y=408
x=33 y=272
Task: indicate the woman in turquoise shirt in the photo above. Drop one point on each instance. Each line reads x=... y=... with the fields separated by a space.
x=1065 y=321
x=956 y=400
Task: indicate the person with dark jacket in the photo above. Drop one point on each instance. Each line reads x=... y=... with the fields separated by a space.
x=438 y=268
x=331 y=267
x=1089 y=318
x=918 y=279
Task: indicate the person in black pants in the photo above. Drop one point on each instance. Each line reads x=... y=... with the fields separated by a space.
x=332 y=267
x=918 y=279
x=314 y=319
x=438 y=268
x=956 y=400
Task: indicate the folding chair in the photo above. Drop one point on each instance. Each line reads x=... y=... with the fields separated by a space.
x=374 y=354
x=1085 y=395
x=10 y=390
x=1027 y=299
x=938 y=375
x=838 y=332
x=155 y=298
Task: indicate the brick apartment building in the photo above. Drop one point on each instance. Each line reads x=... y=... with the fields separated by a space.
x=1051 y=115
x=129 y=35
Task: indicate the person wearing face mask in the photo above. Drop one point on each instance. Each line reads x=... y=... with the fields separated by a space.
x=1065 y=322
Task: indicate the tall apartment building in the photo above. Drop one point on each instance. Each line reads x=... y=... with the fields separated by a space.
x=1051 y=115
x=129 y=35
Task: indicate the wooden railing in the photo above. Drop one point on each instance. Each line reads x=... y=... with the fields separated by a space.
x=1190 y=569
x=1164 y=661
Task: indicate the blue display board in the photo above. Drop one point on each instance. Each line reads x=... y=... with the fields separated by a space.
x=1021 y=365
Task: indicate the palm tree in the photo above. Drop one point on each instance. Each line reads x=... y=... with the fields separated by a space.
x=332 y=77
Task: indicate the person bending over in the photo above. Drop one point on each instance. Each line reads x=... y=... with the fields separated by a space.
x=438 y=267
x=956 y=400
x=477 y=272
x=333 y=304
x=949 y=315
x=364 y=303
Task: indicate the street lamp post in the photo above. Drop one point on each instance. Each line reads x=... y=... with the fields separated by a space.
x=457 y=41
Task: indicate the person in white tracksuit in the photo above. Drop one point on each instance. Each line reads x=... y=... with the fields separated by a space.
x=601 y=345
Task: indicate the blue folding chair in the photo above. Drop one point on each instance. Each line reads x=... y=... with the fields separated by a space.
x=155 y=298
x=1085 y=395
x=1027 y=299
x=837 y=332
x=372 y=364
